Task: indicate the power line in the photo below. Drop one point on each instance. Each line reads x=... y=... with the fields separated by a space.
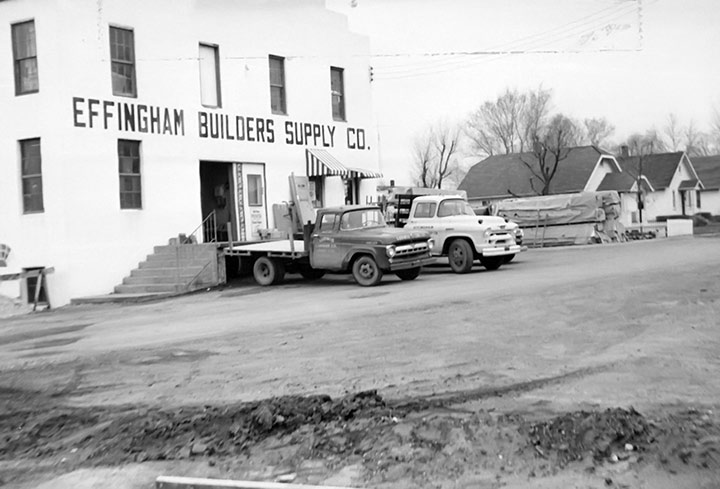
x=527 y=45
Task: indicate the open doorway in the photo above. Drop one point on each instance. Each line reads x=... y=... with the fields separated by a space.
x=217 y=195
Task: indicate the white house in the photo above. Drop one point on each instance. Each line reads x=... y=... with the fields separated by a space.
x=708 y=169
x=672 y=186
x=125 y=123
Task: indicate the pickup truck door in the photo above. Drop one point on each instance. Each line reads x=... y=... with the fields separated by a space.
x=423 y=218
x=324 y=249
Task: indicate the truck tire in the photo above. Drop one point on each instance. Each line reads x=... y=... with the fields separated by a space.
x=460 y=256
x=268 y=271
x=310 y=273
x=366 y=271
x=409 y=274
x=492 y=262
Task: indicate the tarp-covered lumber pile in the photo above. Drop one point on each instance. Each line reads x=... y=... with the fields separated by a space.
x=567 y=219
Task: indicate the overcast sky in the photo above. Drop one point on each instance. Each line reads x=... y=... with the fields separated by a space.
x=631 y=61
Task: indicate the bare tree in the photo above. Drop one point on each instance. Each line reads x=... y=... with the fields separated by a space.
x=673 y=131
x=549 y=150
x=598 y=129
x=435 y=153
x=695 y=140
x=534 y=116
x=648 y=143
x=509 y=123
x=715 y=130
x=422 y=160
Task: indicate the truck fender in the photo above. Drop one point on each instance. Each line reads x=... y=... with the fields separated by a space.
x=451 y=238
x=352 y=255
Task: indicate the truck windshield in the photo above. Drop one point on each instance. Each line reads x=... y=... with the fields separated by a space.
x=455 y=207
x=362 y=218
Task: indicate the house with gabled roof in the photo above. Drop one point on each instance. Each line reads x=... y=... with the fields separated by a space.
x=708 y=169
x=670 y=184
x=505 y=176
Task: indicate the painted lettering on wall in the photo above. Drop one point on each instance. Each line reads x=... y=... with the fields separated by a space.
x=141 y=118
x=127 y=117
x=222 y=126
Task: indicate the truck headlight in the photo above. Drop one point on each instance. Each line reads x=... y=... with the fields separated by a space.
x=487 y=233
x=390 y=251
x=431 y=244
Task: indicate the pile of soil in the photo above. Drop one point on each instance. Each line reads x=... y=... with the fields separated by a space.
x=408 y=441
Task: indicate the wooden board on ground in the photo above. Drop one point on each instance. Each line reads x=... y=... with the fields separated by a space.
x=169 y=482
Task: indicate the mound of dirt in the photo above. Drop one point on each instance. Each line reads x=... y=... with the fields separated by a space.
x=412 y=443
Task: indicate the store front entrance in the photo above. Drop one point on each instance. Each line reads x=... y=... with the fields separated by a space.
x=233 y=201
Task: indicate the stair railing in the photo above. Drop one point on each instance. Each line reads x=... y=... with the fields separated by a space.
x=209 y=227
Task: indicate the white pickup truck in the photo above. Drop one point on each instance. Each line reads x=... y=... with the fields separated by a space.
x=461 y=235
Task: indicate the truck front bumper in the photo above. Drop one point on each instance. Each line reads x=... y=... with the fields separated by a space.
x=501 y=250
x=414 y=263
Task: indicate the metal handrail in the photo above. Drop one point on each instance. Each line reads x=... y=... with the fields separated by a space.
x=212 y=233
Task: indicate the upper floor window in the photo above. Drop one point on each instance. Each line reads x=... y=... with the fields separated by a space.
x=31 y=171
x=210 y=76
x=337 y=90
x=129 y=171
x=278 y=104
x=122 y=66
x=25 y=58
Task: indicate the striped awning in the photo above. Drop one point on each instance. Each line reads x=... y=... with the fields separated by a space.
x=320 y=163
x=362 y=173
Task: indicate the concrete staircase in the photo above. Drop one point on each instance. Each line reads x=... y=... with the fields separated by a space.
x=173 y=269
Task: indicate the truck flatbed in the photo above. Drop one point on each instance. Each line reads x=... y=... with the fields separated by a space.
x=280 y=248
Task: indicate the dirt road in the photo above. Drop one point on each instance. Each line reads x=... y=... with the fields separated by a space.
x=461 y=365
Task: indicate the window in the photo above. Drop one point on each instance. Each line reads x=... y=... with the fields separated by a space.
x=697 y=199
x=122 y=62
x=31 y=164
x=254 y=190
x=210 y=76
x=425 y=209
x=129 y=171
x=337 y=91
x=278 y=104
x=455 y=207
x=25 y=58
x=328 y=222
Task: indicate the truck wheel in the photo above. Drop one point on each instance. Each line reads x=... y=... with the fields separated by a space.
x=409 y=274
x=508 y=258
x=310 y=273
x=493 y=262
x=268 y=271
x=366 y=272
x=460 y=256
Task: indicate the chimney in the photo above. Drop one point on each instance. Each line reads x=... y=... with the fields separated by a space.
x=625 y=151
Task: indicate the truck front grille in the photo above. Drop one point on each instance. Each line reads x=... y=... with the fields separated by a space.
x=411 y=250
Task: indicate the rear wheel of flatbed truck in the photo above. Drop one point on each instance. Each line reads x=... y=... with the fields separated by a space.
x=268 y=271
x=366 y=271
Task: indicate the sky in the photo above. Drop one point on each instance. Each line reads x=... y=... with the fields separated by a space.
x=633 y=62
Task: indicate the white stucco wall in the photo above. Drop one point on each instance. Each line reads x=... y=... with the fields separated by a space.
x=710 y=202
x=83 y=233
x=662 y=203
x=604 y=166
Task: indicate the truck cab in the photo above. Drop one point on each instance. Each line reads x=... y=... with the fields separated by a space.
x=460 y=235
x=356 y=239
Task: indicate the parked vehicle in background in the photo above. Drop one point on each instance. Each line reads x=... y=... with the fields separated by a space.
x=347 y=239
x=459 y=234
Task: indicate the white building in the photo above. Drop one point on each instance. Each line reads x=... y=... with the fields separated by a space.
x=125 y=123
